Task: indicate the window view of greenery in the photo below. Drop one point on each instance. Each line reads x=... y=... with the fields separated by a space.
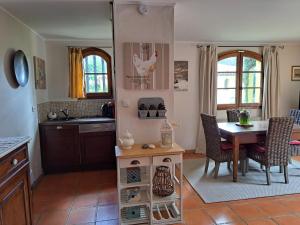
x=95 y=73
x=251 y=81
x=249 y=76
x=226 y=83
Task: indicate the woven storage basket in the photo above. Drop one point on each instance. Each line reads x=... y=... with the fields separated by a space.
x=163 y=184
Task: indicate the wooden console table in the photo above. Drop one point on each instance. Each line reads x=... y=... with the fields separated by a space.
x=152 y=209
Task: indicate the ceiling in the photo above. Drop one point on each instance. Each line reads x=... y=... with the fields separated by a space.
x=195 y=20
x=237 y=20
x=65 y=19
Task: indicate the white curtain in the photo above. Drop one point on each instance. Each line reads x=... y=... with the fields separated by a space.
x=207 y=89
x=270 y=105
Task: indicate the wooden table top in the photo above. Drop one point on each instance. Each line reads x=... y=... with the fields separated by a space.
x=258 y=127
x=138 y=151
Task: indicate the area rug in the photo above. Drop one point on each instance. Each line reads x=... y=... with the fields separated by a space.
x=253 y=185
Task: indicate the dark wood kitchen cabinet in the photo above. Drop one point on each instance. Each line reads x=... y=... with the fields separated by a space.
x=15 y=195
x=97 y=150
x=60 y=148
x=74 y=147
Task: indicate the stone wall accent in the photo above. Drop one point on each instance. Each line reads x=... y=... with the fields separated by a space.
x=80 y=108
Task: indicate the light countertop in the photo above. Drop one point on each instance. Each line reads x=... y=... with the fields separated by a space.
x=138 y=151
x=88 y=120
x=8 y=144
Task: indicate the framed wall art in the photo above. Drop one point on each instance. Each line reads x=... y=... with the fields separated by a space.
x=39 y=73
x=181 y=75
x=146 y=66
x=295 y=73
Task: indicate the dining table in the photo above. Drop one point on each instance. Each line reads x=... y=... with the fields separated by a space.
x=238 y=135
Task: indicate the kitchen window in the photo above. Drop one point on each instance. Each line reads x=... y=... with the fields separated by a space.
x=240 y=80
x=97 y=73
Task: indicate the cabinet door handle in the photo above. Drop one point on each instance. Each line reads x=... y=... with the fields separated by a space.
x=59 y=127
x=14 y=162
x=135 y=162
x=167 y=160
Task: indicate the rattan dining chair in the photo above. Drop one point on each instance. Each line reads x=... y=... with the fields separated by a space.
x=295 y=113
x=216 y=149
x=275 y=152
x=233 y=115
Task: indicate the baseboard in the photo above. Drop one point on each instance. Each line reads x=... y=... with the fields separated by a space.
x=37 y=181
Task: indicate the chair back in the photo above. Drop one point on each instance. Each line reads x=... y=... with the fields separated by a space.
x=277 y=141
x=233 y=115
x=212 y=136
x=295 y=113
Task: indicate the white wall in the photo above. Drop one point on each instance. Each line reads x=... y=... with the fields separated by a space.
x=289 y=90
x=17 y=116
x=186 y=103
x=58 y=64
x=130 y=26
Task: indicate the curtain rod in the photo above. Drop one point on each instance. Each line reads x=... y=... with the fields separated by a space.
x=241 y=46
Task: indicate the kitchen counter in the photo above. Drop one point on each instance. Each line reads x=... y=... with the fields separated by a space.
x=8 y=144
x=84 y=120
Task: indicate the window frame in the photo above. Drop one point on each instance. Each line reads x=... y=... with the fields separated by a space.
x=240 y=54
x=103 y=54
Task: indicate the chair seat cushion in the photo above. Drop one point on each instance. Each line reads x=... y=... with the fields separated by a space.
x=225 y=146
x=295 y=142
x=258 y=148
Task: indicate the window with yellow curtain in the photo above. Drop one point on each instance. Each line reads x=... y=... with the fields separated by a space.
x=95 y=75
x=76 y=85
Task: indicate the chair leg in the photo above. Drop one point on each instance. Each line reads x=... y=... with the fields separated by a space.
x=243 y=163
x=268 y=175
x=206 y=165
x=280 y=169
x=228 y=165
x=286 y=174
x=247 y=165
x=217 y=166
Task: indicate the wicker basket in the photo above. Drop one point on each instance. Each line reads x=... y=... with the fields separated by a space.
x=163 y=184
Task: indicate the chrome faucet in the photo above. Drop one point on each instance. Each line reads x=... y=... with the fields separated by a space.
x=65 y=112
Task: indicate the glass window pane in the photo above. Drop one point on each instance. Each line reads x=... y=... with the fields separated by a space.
x=226 y=96
x=226 y=80
x=251 y=80
x=251 y=64
x=94 y=64
x=227 y=64
x=90 y=84
x=251 y=95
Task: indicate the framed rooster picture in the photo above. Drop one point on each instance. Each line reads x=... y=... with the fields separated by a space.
x=146 y=66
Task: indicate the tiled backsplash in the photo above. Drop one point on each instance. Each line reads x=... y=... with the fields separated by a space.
x=78 y=108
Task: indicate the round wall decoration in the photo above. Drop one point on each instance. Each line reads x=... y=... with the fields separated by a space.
x=20 y=68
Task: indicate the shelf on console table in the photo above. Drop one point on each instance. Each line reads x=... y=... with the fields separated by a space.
x=148 y=160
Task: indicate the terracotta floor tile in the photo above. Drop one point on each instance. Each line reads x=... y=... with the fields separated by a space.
x=293 y=204
x=82 y=215
x=197 y=217
x=261 y=222
x=108 y=198
x=247 y=211
x=287 y=220
x=273 y=208
x=86 y=200
x=192 y=202
x=54 y=217
x=107 y=212
x=108 y=222
x=222 y=214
